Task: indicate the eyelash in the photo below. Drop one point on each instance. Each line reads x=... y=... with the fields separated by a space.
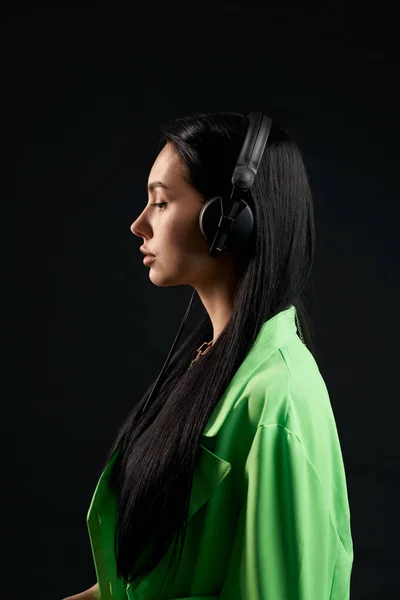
x=158 y=204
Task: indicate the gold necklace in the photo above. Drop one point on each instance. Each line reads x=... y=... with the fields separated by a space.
x=201 y=352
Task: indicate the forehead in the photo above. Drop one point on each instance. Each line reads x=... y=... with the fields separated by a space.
x=167 y=167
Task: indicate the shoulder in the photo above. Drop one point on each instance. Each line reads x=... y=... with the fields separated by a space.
x=266 y=392
x=287 y=388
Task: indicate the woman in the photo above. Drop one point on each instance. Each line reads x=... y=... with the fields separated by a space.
x=237 y=459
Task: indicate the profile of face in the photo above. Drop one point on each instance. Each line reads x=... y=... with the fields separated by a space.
x=169 y=226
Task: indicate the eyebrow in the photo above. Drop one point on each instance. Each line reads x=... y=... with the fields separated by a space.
x=155 y=184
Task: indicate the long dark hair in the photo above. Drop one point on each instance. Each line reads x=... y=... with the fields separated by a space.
x=153 y=472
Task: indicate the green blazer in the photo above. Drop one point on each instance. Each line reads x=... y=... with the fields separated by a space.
x=269 y=515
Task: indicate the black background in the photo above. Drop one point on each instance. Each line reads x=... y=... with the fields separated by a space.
x=85 y=90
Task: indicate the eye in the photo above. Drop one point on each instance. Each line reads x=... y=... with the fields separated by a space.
x=158 y=204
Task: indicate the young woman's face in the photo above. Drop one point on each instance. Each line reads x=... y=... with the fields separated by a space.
x=171 y=231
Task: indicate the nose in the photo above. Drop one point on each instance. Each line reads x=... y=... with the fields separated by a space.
x=139 y=222
x=133 y=228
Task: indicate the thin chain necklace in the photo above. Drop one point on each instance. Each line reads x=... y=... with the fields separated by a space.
x=204 y=348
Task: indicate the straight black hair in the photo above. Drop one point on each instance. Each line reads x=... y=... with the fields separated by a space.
x=152 y=476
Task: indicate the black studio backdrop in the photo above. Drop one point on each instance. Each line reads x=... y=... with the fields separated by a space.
x=85 y=91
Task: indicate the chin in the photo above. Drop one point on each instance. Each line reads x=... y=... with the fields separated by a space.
x=161 y=279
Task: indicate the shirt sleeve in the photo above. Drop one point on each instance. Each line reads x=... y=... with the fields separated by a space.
x=286 y=546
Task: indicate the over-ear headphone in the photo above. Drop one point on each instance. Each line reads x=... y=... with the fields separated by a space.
x=227 y=223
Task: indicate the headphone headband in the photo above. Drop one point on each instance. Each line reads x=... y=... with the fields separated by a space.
x=252 y=150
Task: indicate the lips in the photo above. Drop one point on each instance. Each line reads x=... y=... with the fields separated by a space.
x=148 y=260
x=145 y=251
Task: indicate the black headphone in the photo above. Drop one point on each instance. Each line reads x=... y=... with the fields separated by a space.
x=230 y=230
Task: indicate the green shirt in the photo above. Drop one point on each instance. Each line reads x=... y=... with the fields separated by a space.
x=269 y=516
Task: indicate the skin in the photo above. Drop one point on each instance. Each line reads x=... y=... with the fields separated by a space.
x=89 y=594
x=171 y=232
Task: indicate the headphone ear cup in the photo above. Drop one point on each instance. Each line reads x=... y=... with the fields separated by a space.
x=242 y=225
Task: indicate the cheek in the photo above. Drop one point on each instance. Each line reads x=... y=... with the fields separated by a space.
x=195 y=240
x=183 y=240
